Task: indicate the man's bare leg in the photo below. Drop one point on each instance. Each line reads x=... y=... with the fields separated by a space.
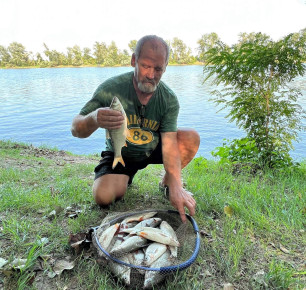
x=109 y=187
x=188 y=142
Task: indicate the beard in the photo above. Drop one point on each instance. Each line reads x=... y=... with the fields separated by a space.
x=146 y=86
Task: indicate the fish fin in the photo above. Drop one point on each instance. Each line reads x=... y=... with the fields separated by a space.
x=117 y=160
x=107 y=134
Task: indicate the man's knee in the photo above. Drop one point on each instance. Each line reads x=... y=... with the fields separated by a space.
x=188 y=142
x=188 y=135
x=106 y=190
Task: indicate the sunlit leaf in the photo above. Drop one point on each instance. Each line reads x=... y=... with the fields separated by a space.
x=228 y=210
x=61 y=265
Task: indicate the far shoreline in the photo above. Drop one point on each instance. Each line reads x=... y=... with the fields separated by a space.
x=86 y=66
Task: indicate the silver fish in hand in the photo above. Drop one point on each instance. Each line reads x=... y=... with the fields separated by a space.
x=118 y=136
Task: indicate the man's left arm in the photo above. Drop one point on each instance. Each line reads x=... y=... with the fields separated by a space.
x=179 y=198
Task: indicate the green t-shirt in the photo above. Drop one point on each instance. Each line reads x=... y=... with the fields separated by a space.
x=159 y=115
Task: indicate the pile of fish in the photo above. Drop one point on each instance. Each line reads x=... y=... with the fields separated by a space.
x=140 y=240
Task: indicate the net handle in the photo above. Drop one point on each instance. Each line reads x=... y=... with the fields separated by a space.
x=181 y=266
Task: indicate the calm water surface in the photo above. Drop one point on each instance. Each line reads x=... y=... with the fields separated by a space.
x=37 y=107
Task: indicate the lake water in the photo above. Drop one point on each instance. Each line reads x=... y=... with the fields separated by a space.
x=38 y=105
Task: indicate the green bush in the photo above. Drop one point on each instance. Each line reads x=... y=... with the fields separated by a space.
x=244 y=150
x=256 y=75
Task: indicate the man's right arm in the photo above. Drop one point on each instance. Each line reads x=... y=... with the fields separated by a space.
x=84 y=126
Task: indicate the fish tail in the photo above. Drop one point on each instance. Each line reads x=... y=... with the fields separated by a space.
x=117 y=160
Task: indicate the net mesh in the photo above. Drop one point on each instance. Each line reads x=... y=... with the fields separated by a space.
x=132 y=264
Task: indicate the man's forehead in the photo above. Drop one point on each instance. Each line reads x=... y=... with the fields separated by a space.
x=155 y=45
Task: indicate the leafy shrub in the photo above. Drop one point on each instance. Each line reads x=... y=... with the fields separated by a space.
x=256 y=74
x=244 y=150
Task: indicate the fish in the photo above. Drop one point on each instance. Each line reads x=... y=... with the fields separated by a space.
x=122 y=271
x=168 y=230
x=126 y=226
x=107 y=235
x=129 y=245
x=151 y=222
x=153 y=252
x=139 y=217
x=137 y=258
x=156 y=235
x=118 y=136
x=139 y=240
x=154 y=277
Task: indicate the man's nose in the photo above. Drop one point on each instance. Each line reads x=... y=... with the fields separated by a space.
x=150 y=73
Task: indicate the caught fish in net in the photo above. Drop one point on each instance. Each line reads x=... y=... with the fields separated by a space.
x=143 y=248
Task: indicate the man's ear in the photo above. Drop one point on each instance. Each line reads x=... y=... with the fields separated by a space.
x=133 y=60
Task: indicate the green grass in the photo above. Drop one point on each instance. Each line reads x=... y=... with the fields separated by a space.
x=261 y=245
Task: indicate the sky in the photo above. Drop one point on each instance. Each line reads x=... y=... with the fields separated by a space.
x=65 y=23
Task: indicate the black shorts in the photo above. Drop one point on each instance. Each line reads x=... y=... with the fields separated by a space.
x=131 y=168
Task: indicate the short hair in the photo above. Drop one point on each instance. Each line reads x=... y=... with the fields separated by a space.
x=146 y=38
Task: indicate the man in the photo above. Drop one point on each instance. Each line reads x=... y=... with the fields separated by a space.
x=152 y=109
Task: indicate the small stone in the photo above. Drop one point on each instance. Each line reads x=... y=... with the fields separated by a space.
x=228 y=286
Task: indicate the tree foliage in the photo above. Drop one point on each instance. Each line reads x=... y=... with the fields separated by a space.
x=19 y=56
x=256 y=75
x=101 y=54
x=207 y=42
x=179 y=52
x=132 y=45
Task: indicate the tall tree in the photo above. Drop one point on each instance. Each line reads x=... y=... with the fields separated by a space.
x=75 y=56
x=132 y=45
x=300 y=39
x=39 y=60
x=124 y=58
x=253 y=37
x=179 y=52
x=87 y=58
x=55 y=58
x=112 y=57
x=207 y=42
x=19 y=56
x=100 y=52
x=5 y=57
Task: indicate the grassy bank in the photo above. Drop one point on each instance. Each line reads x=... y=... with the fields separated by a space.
x=256 y=242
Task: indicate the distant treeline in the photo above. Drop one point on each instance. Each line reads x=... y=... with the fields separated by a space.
x=16 y=55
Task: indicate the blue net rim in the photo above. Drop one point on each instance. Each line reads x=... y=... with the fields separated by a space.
x=178 y=267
